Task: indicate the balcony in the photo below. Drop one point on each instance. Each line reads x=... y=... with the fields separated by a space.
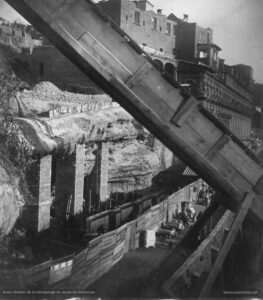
x=156 y=53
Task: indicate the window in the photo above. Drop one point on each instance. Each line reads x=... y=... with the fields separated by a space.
x=160 y=28
x=137 y=17
x=127 y=18
x=161 y=49
x=13 y=33
x=154 y=23
x=23 y=34
x=168 y=28
x=41 y=69
x=190 y=81
x=202 y=54
x=174 y=51
x=208 y=38
x=143 y=23
x=144 y=44
x=174 y=29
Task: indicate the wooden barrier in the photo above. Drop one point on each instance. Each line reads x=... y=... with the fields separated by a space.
x=126 y=210
x=103 y=252
x=200 y=260
x=94 y=222
x=38 y=274
x=147 y=203
x=60 y=271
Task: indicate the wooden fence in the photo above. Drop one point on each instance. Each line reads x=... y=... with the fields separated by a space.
x=201 y=260
x=83 y=269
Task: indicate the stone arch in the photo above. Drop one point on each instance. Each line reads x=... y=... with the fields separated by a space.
x=190 y=81
x=170 y=69
x=158 y=63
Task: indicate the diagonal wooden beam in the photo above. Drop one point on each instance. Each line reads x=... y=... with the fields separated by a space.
x=240 y=216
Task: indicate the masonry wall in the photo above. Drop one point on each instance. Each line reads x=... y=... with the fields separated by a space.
x=46 y=63
x=204 y=35
x=103 y=170
x=70 y=182
x=112 y=8
x=65 y=178
x=36 y=216
x=77 y=205
x=123 y=13
x=230 y=107
x=258 y=101
x=186 y=41
x=14 y=36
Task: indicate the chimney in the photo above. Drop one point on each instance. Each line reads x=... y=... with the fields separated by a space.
x=159 y=11
x=221 y=65
x=185 y=18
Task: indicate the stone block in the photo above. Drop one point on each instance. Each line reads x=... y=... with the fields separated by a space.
x=37 y=212
x=70 y=182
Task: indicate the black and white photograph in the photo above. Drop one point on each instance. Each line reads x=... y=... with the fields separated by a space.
x=131 y=149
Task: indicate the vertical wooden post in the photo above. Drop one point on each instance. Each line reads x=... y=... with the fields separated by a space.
x=227 y=246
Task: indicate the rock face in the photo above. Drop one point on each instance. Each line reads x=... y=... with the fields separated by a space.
x=134 y=155
x=132 y=162
x=4 y=58
x=11 y=201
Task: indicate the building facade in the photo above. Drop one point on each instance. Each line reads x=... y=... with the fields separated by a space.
x=46 y=63
x=195 y=44
x=258 y=110
x=230 y=104
x=153 y=31
x=225 y=91
x=187 y=51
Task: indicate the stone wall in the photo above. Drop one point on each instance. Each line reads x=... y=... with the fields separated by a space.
x=103 y=170
x=230 y=107
x=142 y=29
x=46 y=63
x=70 y=182
x=185 y=41
x=36 y=216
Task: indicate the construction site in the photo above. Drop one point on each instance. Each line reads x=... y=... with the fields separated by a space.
x=131 y=157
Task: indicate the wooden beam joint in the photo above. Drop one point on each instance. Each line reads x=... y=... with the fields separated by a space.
x=259 y=186
x=185 y=110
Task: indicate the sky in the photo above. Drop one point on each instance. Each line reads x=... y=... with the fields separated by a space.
x=237 y=26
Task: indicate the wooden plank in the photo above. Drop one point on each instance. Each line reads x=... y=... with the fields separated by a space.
x=133 y=236
x=227 y=245
x=217 y=147
x=241 y=162
x=230 y=174
x=259 y=186
x=185 y=111
x=209 y=131
x=191 y=259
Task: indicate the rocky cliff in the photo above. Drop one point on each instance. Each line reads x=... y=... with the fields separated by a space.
x=134 y=155
x=11 y=200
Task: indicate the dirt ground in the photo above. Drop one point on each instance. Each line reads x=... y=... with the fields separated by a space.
x=126 y=277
